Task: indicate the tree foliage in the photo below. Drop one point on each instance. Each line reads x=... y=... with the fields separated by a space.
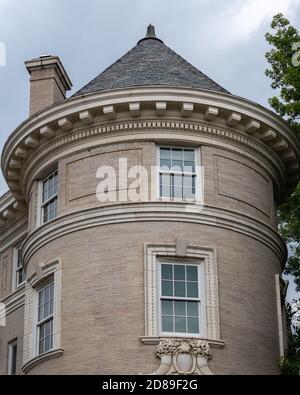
x=284 y=74
x=284 y=71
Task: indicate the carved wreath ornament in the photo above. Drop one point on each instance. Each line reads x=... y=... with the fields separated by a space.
x=183 y=357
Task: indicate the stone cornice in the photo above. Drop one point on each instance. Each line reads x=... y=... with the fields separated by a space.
x=14 y=300
x=10 y=210
x=154 y=129
x=13 y=233
x=153 y=211
x=209 y=108
x=42 y=358
x=154 y=340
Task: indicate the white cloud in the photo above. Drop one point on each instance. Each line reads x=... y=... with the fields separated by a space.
x=239 y=21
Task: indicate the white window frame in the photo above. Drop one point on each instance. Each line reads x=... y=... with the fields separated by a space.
x=16 y=269
x=46 y=319
x=206 y=256
x=198 y=175
x=42 y=204
x=11 y=345
x=201 y=297
x=44 y=274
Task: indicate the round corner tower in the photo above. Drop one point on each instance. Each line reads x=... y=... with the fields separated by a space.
x=152 y=241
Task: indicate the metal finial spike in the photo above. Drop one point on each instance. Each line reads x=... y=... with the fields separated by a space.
x=150 y=32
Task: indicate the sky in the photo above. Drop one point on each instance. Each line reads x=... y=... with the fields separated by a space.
x=223 y=38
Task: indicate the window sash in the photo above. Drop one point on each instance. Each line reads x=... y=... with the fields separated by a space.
x=20 y=277
x=45 y=207
x=186 y=299
x=42 y=340
x=48 y=199
x=12 y=358
x=52 y=177
x=45 y=298
x=19 y=271
x=182 y=191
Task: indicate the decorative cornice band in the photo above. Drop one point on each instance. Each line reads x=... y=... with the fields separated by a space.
x=42 y=358
x=127 y=128
x=14 y=300
x=154 y=340
x=153 y=211
x=246 y=117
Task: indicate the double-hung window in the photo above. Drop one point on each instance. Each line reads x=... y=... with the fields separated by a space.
x=12 y=357
x=181 y=306
x=49 y=197
x=20 y=273
x=177 y=173
x=45 y=318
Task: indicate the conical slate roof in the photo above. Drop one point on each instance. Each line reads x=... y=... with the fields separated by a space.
x=150 y=62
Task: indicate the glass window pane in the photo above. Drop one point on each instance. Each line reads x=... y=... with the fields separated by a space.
x=177 y=155
x=180 y=324
x=41 y=346
x=167 y=307
x=189 y=155
x=40 y=314
x=180 y=308
x=188 y=193
x=179 y=272
x=41 y=297
x=192 y=309
x=192 y=290
x=47 y=294
x=51 y=290
x=42 y=331
x=188 y=181
x=51 y=191
x=13 y=368
x=45 y=190
x=165 y=179
x=192 y=273
x=178 y=181
x=189 y=167
x=47 y=343
x=177 y=165
x=167 y=288
x=55 y=187
x=48 y=328
x=167 y=272
x=165 y=191
x=165 y=153
x=179 y=288
x=46 y=310
x=167 y=324
x=178 y=192
x=193 y=325
x=165 y=164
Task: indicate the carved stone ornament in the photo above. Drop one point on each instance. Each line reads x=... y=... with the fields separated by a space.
x=183 y=356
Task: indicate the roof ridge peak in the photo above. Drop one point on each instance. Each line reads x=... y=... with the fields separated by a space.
x=150 y=34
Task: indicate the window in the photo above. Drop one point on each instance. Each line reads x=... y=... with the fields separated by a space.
x=45 y=318
x=205 y=260
x=42 y=314
x=20 y=273
x=49 y=197
x=177 y=173
x=12 y=357
x=180 y=298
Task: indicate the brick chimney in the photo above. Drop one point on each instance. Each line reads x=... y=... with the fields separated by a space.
x=48 y=83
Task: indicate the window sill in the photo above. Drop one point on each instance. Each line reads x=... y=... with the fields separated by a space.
x=42 y=358
x=154 y=340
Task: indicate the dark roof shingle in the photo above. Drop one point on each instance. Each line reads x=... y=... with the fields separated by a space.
x=150 y=62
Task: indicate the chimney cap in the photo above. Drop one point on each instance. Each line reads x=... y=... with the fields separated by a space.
x=50 y=61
